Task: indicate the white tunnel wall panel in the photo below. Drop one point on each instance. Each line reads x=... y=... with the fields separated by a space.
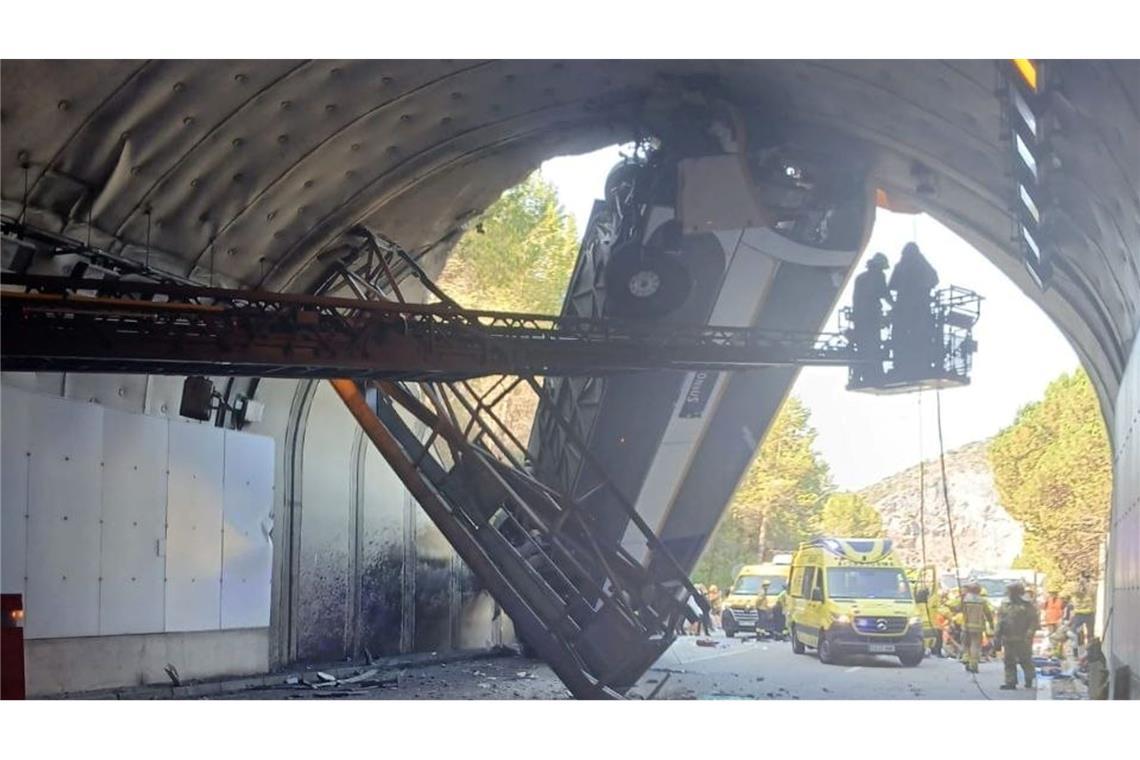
x=194 y=527
x=132 y=591
x=64 y=506
x=113 y=520
x=247 y=551
x=15 y=446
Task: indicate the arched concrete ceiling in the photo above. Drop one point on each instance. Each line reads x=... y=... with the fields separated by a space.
x=262 y=165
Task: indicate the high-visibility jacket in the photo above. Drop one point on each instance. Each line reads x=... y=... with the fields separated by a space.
x=1083 y=603
x=1054 y=610
x=977 y=613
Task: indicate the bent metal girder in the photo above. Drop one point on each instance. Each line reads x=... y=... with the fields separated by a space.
x=89 y=325
x=590 y=610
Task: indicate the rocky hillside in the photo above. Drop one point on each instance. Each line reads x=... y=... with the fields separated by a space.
x=986 y=536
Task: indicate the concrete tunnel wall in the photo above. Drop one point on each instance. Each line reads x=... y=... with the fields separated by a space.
x=357 y=567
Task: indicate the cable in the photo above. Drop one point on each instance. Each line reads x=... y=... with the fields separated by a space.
x=921 y=482
x=949 y=521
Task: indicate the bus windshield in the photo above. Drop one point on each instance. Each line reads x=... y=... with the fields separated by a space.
x=867 y=583
x=750 y=585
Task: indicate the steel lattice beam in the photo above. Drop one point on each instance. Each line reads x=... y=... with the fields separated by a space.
x=63 y=324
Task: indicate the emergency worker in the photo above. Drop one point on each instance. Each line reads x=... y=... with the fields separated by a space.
x=1054 y=611
x=912 y=324
x=941 y=621
x=1019 y=621
x=867 y=316
x=779 y=618
x=714 y=606
x=977 y=615
x=952 y=641
x=988 y=645
x=1084 y=613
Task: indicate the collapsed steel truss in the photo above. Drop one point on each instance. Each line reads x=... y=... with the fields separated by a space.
x=591 y=610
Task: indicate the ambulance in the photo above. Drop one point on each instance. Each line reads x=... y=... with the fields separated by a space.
x=851 y=596
x=751 y=604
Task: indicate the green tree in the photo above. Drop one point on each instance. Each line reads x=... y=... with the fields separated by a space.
x=519 y=254
x=778 y=502
x=848 y=514
x=1053 y=471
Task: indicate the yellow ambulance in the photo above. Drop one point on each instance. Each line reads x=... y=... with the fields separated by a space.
x=752 y=603
x=851 y=596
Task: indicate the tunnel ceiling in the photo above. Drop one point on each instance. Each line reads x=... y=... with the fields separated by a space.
x=255 y=168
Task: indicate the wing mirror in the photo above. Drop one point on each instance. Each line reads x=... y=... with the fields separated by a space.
x=922 y=596
x=816 y=595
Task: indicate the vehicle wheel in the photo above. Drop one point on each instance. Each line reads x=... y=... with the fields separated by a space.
x=826 y=654
x=729 y=626
x=645 y=285
x=910 y=660
x=797 y=645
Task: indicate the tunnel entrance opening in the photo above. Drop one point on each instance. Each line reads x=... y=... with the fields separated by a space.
x=857 y=465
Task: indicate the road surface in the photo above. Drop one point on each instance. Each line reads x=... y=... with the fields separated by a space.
x=730 y=669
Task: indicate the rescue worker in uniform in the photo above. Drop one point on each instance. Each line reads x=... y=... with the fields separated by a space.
x=1019 y=621
x=1054 y=611
x=912 y=324
x=780 y=619
x=976 y=616
x=867 y=317
x=714 y=606
x=1084 y=613
x=952 y=640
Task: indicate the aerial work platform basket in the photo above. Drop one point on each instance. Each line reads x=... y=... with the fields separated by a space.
x=935 y=355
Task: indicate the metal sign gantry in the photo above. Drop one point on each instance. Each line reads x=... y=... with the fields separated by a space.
x=88 y=325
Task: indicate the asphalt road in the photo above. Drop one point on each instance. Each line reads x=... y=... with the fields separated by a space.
x=749 y=669
x=729 y=669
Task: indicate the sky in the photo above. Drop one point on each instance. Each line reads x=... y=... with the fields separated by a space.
x=863 y=437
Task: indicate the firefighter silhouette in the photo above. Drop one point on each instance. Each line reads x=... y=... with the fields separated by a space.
x=867 y=318
x=912 y=321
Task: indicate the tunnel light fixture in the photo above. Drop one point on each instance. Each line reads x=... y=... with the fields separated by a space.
x=1028 y=71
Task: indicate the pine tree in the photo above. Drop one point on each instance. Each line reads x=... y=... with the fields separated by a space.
x=778 y=502
x=1053 y=470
